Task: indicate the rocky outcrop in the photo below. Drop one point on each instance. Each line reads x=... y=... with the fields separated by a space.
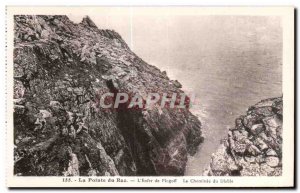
x=60 y=71
x=254 y=145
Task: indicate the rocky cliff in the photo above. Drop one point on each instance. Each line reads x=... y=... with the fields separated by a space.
x=254 y=146
x=60 y=70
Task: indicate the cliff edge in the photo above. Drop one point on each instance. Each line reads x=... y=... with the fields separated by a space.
x=254 y=146
x=60 y=71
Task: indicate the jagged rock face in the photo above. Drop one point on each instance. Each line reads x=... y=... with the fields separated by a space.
x=254 y=146
x=60 y=70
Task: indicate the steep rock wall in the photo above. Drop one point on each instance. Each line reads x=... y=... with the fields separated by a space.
x=60 y=70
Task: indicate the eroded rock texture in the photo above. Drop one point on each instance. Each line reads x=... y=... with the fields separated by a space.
x=60 y=71
x=254 y=146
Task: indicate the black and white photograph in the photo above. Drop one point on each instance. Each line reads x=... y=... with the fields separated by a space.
x=150 y=96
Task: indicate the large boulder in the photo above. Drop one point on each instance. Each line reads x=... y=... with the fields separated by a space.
x=256 y=152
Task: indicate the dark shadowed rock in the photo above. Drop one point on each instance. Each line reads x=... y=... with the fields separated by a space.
x=88 y=22
x=61 y=70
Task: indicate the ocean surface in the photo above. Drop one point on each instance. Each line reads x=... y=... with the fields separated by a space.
x=228 y=62
x=228 y=83
x=227 y=78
